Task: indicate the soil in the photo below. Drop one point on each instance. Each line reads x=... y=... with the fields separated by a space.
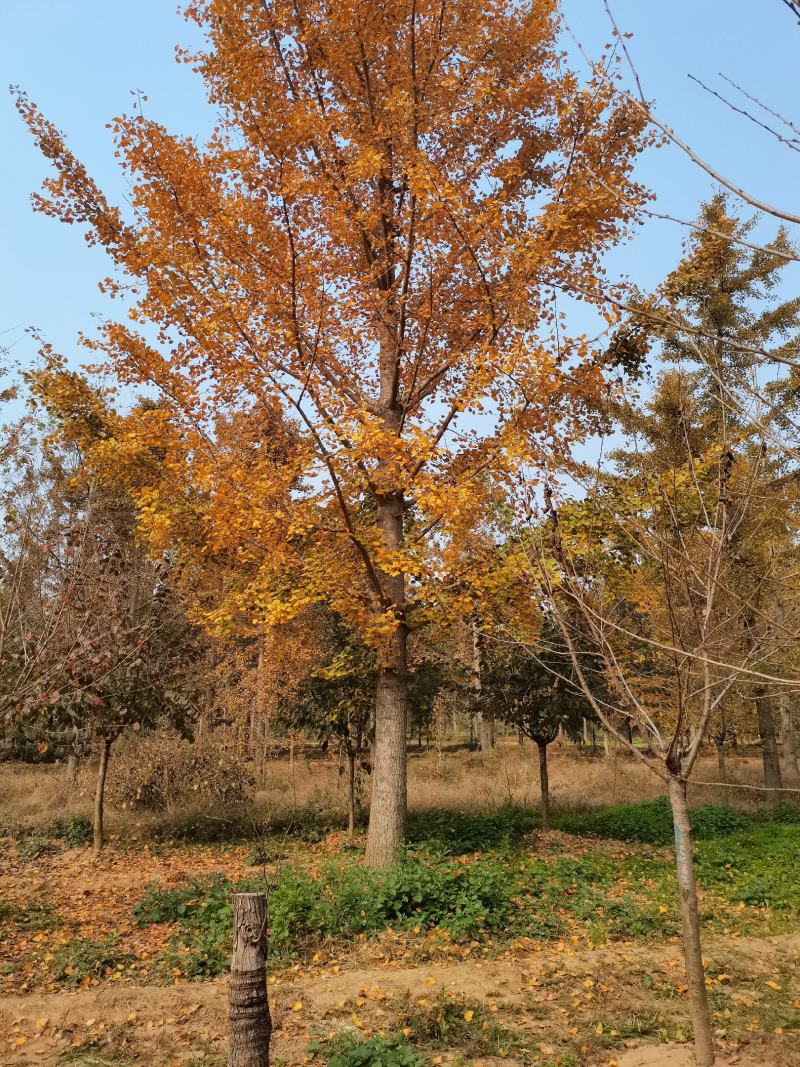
x=186 y=1023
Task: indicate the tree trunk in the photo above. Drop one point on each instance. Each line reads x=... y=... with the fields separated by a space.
x=248 y=1001
x=769 y=743
x=723 y=777
x=690 y=922
x=789 y=741
x=99 y=795
x=544 y=784
x=389 y=800
x=291 y=770
x=351 y=793
x=484 y=742
x=387 y=812
x=72 y=767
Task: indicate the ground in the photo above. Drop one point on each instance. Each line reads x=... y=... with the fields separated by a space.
x=581 y=965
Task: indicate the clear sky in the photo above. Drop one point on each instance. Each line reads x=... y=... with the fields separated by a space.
x=80 y=60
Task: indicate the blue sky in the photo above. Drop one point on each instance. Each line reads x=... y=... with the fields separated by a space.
x=81 y=60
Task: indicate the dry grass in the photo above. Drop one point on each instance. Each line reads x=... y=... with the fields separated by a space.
x=460 y=780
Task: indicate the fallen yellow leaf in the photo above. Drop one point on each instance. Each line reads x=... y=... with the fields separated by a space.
x=774 y=985
x=468 y=1016
x=297 y=1006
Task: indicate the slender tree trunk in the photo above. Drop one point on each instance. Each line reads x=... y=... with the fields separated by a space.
x=72 y=754
x=544 y=784
x=351 y=793
x=723 y=776
x=769 y=743
x=291 y=770
x=72 y=767
x=389 y=800
x=248 y=1010
x=481 y=722
x=606 y=744
x=789 y=741
x=99 y=795
x=690 y=922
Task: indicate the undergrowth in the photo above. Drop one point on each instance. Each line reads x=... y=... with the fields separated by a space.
x=650 y=822
x=492 y=897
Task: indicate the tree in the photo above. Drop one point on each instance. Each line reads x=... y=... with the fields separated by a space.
x=531 y=689
x=335 y=699
x=371 y=242
x=720 y=318
x=93 y=636
x=677 y=572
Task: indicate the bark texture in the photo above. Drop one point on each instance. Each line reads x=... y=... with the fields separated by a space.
x=248 y=1004
x=99 y=795
x=388 y=805
x=690 y=923
x=72 y=767
x=544 y=783
x=789 y=742
x=723 y=773
x=769 y=741
x=351 y=793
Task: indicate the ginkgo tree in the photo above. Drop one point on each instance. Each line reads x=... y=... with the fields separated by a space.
x=371 y=242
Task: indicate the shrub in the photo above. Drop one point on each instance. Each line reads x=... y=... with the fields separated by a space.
x=164 y=771
x=74 y=831
x=457 y=833
x=784 y=813
x=650 y=822
x=501 y=895
x=35 y=845
x=351 y=1050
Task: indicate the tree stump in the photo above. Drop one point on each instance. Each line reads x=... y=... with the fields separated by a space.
x=250 y=1021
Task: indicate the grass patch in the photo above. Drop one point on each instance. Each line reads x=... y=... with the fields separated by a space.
x=33 y=915
x=455 y=1023
x=82 y=962
x=352 y=1050
x=758 y=867
x=650 y=822
x=493 y=898
x=455 y=833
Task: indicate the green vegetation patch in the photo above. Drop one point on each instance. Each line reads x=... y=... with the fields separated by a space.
x=491 y=897
x=352 y=1050
x=79 y=962
x=758 y=867
x=456 y=833
x=32 y=915
x=650 y=822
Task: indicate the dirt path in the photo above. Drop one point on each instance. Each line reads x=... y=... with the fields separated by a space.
x=539 y=993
